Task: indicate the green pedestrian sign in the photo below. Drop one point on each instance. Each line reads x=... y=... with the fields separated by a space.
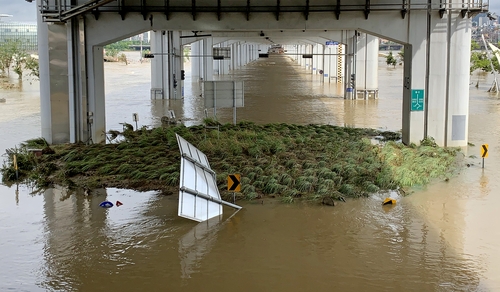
x=417 y=100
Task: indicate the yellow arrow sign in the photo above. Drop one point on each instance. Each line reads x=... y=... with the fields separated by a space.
x=233 y=182
x=484 y=150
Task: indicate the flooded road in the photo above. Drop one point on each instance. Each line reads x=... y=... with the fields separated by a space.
x=441 y=238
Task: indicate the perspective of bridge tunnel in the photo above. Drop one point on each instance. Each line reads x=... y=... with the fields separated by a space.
x=336 y=39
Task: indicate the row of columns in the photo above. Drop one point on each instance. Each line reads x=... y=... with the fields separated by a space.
x=353 y=63
x=168 y=62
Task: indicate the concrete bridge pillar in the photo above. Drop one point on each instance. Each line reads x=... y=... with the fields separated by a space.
x=320 y=67
x=54 y=86
x=238 y=56
x=244 y=49
x=300 y=52
x=196 y=61
x=447 y=98
x=309 y=61
x=222 y=67
x=366 y=67
x=245 y=54
x=329 y=63
x=414 y=78
x=166 y=65
x=316 y=58
x=226 y=63
x=208 y=60
x=303 y=61
x=234 y=55
x=350 y=65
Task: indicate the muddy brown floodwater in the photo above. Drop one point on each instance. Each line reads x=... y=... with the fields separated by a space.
x=443 y=237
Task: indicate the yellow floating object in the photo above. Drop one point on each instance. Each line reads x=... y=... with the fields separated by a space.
x=389 y=201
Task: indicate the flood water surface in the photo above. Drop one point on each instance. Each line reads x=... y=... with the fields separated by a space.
x=440 y=238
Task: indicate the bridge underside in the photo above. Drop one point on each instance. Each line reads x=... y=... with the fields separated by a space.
x=436 y=37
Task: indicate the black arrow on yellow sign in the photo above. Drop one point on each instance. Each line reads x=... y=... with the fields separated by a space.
x=484 y=150
x=233 y=182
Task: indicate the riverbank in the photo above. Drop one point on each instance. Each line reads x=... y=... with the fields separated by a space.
x=321 y=163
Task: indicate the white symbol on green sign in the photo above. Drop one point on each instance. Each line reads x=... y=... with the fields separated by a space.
x=417 y=99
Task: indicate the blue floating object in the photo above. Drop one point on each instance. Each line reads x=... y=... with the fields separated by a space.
x=106 y=204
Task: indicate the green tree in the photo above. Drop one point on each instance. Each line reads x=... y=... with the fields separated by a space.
x=390 y=60
x=479 y=60
x=32 y=65
x=20 y=58
x=187 y=52
x=112 y=52
x=123 y=58
x=474 y=45
x=7 y=52
x=401 y=55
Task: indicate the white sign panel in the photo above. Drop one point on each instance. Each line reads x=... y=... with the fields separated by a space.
x=199 y=197
x=223 y=94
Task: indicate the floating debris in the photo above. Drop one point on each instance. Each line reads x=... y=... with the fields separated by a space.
x=389 y=201
x=106 y=204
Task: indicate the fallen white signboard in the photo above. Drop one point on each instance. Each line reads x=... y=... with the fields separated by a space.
x=199 y=197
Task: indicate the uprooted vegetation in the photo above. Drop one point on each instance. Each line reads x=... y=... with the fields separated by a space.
x=312 y=162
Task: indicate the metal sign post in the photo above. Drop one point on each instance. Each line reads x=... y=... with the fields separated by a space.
x=224 y=94
x=15 y=166
x=484 y=152
x=234 y=184
x=135 y=118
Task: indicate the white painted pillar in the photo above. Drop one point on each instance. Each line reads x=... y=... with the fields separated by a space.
x=350 y=66
x=315 y=59
x=218 y=70
x=435 y=92
x=250 y=53
x=208 y=60
x=196 y=61
x=96 y=95
x=240 y=55
x=166 y=65
x=226 y=64
x=234 y=55
x=308 y=50
x=414 y=77
x=245 y=54
x=327 y=59
x=367 y=66
x=447 y=97
x=457 y=126
x=53 y=66
x=302 y=52
x=159 y=65
x=320 y=65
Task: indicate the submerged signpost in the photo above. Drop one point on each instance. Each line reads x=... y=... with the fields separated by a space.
x=199 y=197
x=224 y=94
x=484 y=152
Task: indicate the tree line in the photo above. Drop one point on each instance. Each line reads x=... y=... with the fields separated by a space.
x=14 y=56
x=480 y=60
